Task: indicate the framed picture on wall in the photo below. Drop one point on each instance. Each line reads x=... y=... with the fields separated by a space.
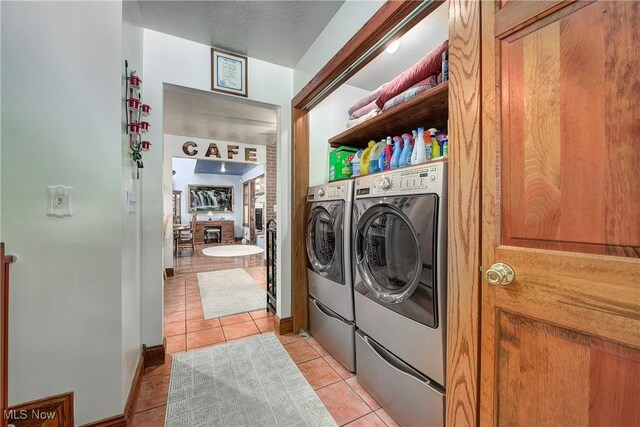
x=228 y=72
x=215 y=198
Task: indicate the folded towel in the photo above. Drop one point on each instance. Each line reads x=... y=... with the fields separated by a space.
x=412 y=92
x=364 y=110
x=427 y=66
x=366 y=100
x=355 y=122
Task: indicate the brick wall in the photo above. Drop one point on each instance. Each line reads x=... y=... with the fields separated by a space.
x=272 y=180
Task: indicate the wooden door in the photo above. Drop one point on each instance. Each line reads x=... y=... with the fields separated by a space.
x=561 y=206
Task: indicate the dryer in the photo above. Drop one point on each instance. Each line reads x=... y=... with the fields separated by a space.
x=400 y=234
x=329 y=273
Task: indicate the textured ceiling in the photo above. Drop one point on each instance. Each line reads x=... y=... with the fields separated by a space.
x=202 y=114
x=414 y=45
x=215 y=167
x=275 y=31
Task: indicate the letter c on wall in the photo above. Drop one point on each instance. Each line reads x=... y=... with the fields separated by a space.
x=188 y=148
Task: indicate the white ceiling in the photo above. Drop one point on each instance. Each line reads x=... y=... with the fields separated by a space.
x=414 y=44
x=275 y=31
x=203 y=114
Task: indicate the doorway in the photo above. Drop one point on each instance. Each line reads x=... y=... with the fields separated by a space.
x=219 y=149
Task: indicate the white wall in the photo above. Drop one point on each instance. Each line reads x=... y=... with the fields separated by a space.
x=326 y=120
x=184 y=177
x=61 y=87
x=169 y=59
x=351 y=16
x=132 y=33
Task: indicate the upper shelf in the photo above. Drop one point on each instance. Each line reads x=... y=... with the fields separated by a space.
x=429 y=109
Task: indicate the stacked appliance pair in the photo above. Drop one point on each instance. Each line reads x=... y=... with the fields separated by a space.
x=398 y=290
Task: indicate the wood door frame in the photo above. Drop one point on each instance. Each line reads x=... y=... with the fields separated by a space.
x=464 y=191
x=464 y=221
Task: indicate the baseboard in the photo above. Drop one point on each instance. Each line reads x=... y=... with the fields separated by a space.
x=57 y=412
x=169 y=272
x=154 y=355
x=284 y=326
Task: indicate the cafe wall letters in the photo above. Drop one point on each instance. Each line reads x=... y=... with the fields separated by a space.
x=209 y=149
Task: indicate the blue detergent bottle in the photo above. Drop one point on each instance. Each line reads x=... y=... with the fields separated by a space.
x=382 y=161
x=405 y=156
x=397 y=148
x=355 y=164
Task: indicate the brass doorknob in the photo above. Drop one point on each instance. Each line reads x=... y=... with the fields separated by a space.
x=500 y=274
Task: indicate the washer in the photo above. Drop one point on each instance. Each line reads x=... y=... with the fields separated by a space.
x=400 y=233
x=329 y=273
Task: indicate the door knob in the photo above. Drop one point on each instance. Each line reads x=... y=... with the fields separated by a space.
x=500 y=274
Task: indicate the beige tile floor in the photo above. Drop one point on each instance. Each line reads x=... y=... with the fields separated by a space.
x=186 y=329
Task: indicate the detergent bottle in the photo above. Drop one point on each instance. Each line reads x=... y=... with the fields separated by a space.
x=374 y=157
x=397 y=148
x=388 y=153
x=427 y=149
x=364 y=160
x=382 y=162
x=405 y=155
x=445 y=148
x=355 y=164
x=414 y=151
x=435 y=146
x=419 y=148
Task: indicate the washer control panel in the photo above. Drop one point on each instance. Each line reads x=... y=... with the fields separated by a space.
x=420 y=179
x=331 y=191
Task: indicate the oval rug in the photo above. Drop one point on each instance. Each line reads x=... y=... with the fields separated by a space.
x=232 y=250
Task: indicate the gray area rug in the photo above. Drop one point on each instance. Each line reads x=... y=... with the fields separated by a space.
x=251 y=382
x=228 y=292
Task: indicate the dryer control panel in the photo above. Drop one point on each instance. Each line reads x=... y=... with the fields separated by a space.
x=428 y=178
x=342 y=190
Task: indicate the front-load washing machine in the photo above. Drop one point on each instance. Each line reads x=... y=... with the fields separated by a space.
x=329 y=274
x=400 y=233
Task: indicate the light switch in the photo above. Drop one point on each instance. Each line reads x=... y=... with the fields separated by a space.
x=59 y=201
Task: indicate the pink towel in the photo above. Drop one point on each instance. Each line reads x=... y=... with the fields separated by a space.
x=427 y=66
x=366 y=100
x=364 y=110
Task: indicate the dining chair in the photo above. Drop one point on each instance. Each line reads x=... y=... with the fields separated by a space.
x=186 y=238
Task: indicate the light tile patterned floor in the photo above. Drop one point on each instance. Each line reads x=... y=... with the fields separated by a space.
x=186 y=329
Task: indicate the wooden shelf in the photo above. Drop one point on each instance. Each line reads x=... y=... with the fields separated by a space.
x=429 y=110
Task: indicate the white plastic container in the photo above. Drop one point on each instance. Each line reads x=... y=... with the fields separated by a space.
x=419 y=148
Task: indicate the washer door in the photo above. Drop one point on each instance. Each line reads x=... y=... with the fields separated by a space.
x=395 y=251
x=388 y=253
x=324 y=239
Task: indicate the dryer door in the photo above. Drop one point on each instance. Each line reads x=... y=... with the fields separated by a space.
x=395 y=251
x=325 y=239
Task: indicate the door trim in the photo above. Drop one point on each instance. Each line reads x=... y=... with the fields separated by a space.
x=463 y=249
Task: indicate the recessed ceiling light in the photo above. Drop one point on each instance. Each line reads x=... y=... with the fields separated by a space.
x=391 y=49
x=222 y=169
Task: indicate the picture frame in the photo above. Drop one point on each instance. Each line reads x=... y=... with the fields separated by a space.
x=229 y=72
x=214 y=198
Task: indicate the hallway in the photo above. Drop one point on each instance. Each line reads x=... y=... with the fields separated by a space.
x=186 y=329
